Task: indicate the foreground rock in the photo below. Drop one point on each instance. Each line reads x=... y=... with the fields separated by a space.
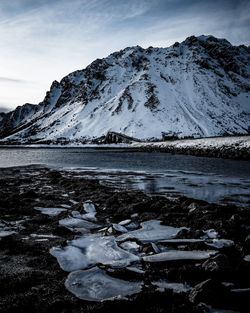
x=150 y=250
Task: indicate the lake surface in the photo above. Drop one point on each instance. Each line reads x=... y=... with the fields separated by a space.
x=211 y=179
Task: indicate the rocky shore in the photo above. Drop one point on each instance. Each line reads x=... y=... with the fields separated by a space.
x=67 y=244
x=235 y=147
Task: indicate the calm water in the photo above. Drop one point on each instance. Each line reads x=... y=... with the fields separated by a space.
x=204 y=178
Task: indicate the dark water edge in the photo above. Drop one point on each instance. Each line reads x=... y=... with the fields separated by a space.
x=32 y=281
x=209 y=179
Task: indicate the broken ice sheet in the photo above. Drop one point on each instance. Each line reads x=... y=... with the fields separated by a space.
x=151 y=231
x=177 y=255
x=104 y=250
x=95 y=285
x=50 y=211
x=78 y=224
x=87 y=251
x=70 y=258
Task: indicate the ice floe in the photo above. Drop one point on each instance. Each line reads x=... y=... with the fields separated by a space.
x=50 y=211
x=247 y=258
x=151 y=231
x=95 y=285
x=177 y=255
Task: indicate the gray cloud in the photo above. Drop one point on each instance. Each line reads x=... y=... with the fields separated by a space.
x=44 y=40
x=11 y=80
x=4 y=109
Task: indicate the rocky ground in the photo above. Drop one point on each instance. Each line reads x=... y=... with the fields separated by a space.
x=31 y=279
x=234 y=147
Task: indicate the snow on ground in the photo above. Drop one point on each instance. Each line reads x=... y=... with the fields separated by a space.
x=202 y=143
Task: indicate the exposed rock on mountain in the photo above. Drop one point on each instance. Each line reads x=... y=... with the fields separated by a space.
x=199 y=87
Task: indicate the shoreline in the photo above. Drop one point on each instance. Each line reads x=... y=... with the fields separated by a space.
x=33 y=281
x=235 y=147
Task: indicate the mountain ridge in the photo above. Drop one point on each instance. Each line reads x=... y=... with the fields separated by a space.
x=199 y=88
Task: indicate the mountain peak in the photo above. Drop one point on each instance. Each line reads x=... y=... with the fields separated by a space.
x=199 y=87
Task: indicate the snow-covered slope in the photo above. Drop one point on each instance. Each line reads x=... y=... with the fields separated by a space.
x=199 y=87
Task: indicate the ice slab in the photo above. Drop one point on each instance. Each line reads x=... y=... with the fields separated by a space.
x=78 y=224
x=89 y=207
x=130 y=246
x=104 y=250
x=87 y=216
x=181 y=241
x=95 y=285
x=125 y=222
x=210 y=234
x=65 y=206
x=177 y=255
x=119 y=228
x=70 y=258
x=220 y=243
x=50 y=211
x=151 y=231
x=176 y=287
x=6 y=233
x=247 y=258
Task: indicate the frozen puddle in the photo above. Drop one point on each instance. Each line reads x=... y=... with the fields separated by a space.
x=95 y=285
x=152 y=231
x=50 y=211
x=91 y=250
x=176 y=255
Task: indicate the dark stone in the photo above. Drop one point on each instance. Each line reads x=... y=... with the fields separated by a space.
x=209 y=291
x=217 y=264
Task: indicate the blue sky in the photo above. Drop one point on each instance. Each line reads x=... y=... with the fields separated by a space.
x=44 y=40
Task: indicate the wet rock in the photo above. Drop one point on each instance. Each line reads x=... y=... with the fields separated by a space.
x=31 y=194
x=209 y=291
x=247 y=244
x=217 y=264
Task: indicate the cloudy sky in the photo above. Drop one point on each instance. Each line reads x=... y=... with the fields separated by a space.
x=44 y=40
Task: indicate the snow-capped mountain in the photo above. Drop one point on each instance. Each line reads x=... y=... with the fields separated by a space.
x=199 y=87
